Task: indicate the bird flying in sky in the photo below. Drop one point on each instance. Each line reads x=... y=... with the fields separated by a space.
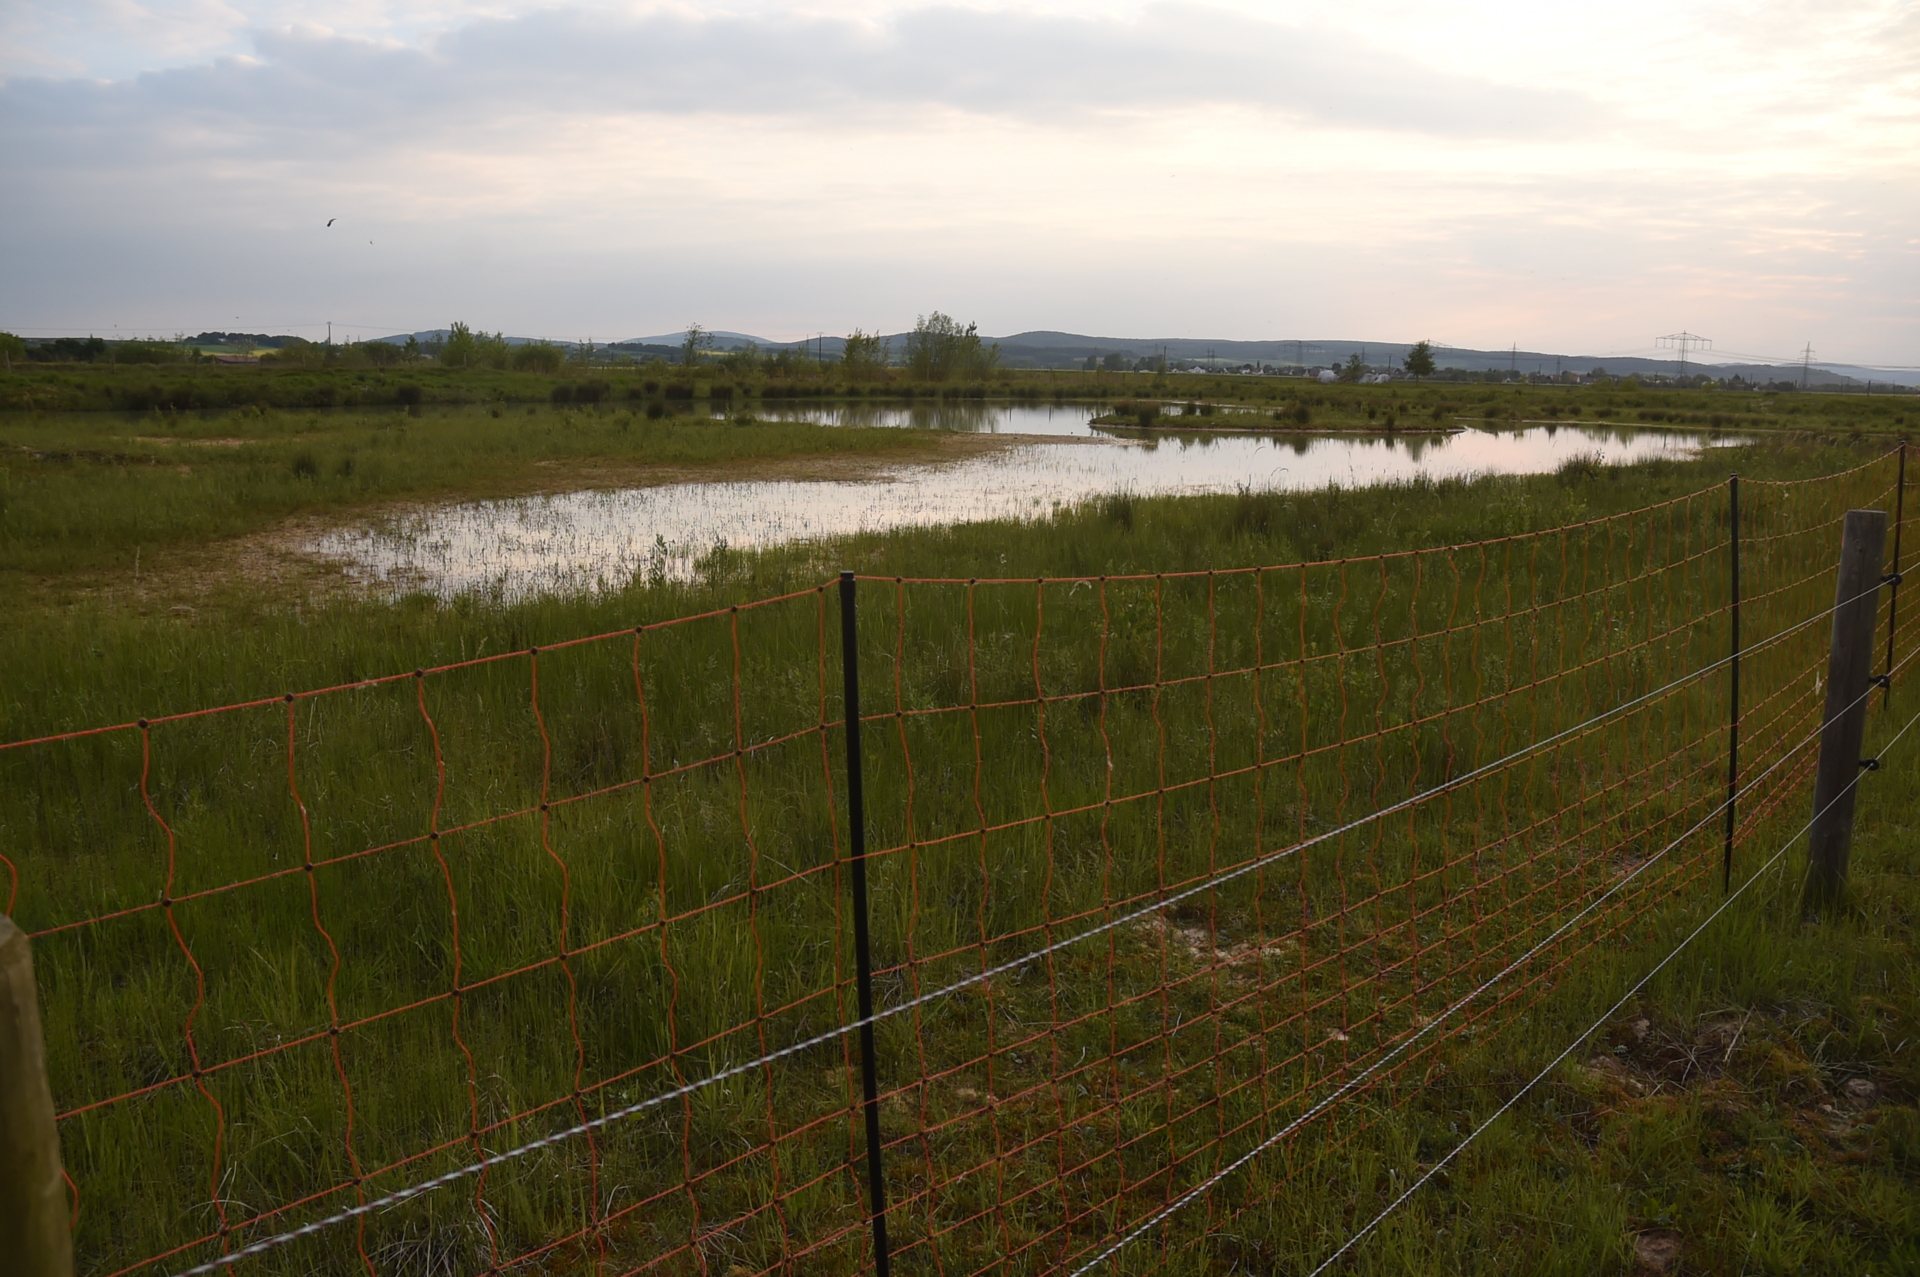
x=330 y=221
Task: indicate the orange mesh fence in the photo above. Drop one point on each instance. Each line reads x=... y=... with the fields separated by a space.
x=1175 y=879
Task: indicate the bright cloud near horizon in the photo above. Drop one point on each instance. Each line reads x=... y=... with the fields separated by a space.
x=1477 y=172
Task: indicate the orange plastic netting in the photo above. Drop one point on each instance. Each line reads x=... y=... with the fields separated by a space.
x=1252 y=830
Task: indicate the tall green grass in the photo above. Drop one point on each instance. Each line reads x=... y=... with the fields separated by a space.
x=704 y=908
x=81 y=492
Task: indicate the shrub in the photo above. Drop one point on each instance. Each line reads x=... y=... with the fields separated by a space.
x=1147 y=414
x=591 y=391
x=538 y=356
x=562 y=393
x=407 y=393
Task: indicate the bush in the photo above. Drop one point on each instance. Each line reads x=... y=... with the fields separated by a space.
x=148 y=397
x=1147 y=414
x=538 y=356
x=591 y=391
x=562 y=393
x=145 y=352
x=407 y=393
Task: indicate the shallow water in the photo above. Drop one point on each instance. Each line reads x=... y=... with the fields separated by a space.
x=973 y=418
x=588 y=541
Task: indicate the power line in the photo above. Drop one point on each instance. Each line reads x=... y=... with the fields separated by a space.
x=1684 y=341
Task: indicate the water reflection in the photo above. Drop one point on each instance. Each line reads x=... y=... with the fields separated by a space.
x=970 y=417
x=597 y=540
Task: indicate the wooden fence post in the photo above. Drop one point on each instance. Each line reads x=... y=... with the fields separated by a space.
x=33 y=1194
x=1849 y=676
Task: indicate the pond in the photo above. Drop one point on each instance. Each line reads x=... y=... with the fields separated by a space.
x=588 y=541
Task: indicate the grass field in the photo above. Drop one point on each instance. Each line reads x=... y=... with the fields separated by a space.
x=169 y=392
x=701 y=923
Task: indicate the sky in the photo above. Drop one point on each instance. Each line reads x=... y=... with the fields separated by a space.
x=1571 y=178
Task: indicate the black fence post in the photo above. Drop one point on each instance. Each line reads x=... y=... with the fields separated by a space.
x=862 y=932
x=1893 y=577
x=1733 y=693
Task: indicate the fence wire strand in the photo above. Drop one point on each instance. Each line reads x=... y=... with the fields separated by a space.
x=1625 y=1000
x=1166 y=868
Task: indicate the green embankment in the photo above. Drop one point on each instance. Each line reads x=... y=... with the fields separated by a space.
x=173 y=389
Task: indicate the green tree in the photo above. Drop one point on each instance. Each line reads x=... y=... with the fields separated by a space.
x=697 y=341
x=492 y=352
x=461 y=349
x=538 y=356
x=411 y=351
x=1353 y=368
x=294 y=350
x=939 y=349
x=11 y=348
x=1420 y=359
x=742 y=360
x=865 y=356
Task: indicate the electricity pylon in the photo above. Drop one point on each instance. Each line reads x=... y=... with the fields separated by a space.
x=1683 y=342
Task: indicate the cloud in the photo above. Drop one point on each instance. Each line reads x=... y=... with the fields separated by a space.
x=1045 y=69
x=1179 y=167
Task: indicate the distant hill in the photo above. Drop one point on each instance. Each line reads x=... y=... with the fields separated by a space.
x=722 y=340
x=1046 y=348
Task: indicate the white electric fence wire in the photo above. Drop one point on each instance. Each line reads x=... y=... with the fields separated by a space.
x=412 y=1191
x=1595 y=1027
x=1360 y=1079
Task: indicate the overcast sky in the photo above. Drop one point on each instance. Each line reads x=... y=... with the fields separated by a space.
x=1574 y=178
